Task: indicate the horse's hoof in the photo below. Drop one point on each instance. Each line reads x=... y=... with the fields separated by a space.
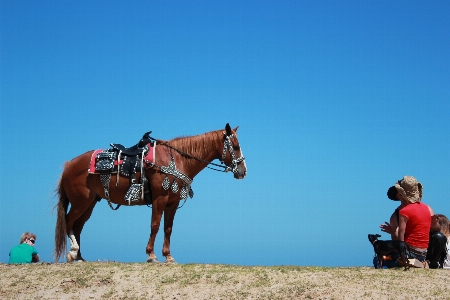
x=152 y=259
x=170 y=260
x=69 y=258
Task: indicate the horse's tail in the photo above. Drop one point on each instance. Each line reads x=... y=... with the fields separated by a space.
x=61 y=229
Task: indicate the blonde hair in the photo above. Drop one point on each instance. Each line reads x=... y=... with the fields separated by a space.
x=445 y=225
x=27 y=235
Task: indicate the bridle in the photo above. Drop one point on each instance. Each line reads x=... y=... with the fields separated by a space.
x=228 y=145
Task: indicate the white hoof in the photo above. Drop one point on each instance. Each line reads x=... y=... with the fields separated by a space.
x=69 y=258
x=152 y=259
x=170 y=260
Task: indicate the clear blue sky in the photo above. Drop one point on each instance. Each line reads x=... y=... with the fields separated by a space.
x=336 y=100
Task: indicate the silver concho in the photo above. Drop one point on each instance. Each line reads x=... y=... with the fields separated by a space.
x=174 y=186
x=166 y=183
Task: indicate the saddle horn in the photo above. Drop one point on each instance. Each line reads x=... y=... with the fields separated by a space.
x=145 y=139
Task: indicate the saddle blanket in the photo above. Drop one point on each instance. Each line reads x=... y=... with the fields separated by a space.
x=149 y=159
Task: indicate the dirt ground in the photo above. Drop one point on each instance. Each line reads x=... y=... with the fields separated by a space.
x=196 y=281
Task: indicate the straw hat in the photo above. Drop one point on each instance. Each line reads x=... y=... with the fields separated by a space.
x=408 y=187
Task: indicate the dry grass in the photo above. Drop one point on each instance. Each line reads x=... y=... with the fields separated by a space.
x=196 y=281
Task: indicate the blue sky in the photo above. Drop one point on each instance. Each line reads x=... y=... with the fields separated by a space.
x=336 y=100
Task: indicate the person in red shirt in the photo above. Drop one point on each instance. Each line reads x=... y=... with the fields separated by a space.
x=408 y=190
x=414 y=218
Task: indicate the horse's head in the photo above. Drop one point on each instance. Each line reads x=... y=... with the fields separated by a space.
x=232 y=155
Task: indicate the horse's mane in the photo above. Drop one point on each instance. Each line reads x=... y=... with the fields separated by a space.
x=197 y=145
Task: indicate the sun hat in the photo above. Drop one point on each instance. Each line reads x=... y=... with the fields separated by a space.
x=408 y=187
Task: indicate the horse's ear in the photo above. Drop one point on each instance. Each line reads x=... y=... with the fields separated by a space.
x=228 y=129
x=236 y=129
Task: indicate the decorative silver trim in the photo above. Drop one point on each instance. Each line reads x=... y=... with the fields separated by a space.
x=171 y=169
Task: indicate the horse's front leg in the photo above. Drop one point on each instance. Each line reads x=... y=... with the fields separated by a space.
x=169 y=215
x=158 y=206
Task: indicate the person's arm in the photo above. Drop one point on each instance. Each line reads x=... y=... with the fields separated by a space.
x=35 y=258
x=401 y=227
x=391 y=227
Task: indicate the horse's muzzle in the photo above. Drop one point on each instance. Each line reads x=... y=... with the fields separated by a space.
x=241 y=172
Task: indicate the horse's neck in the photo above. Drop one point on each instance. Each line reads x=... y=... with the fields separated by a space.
x=205 y=147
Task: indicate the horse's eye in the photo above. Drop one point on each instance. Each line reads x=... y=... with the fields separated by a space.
x=236 y=148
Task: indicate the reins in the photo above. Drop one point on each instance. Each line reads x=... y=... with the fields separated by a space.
x=225 y=168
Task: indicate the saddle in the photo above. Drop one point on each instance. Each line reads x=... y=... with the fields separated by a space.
x=135 y=150
x=127 y=162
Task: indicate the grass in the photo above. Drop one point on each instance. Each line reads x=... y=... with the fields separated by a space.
x=197 y=281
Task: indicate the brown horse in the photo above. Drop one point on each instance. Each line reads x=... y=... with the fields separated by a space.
x=186 y=155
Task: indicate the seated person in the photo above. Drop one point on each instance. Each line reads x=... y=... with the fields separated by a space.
x=414 y=220
x=24 y=253
x=438 y=241
x=444 y=261
x=410 y=188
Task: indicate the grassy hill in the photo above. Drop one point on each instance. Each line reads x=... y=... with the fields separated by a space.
x=196 y=281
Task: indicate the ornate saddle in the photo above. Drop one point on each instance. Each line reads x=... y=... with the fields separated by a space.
x=127 y=162
x=137 y=149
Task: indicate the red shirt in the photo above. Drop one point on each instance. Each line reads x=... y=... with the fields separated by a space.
x=418 y=226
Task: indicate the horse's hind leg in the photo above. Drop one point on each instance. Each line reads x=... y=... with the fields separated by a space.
x=78 y=227
x=76 y=218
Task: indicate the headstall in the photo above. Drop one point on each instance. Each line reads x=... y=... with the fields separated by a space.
x=228 y=145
